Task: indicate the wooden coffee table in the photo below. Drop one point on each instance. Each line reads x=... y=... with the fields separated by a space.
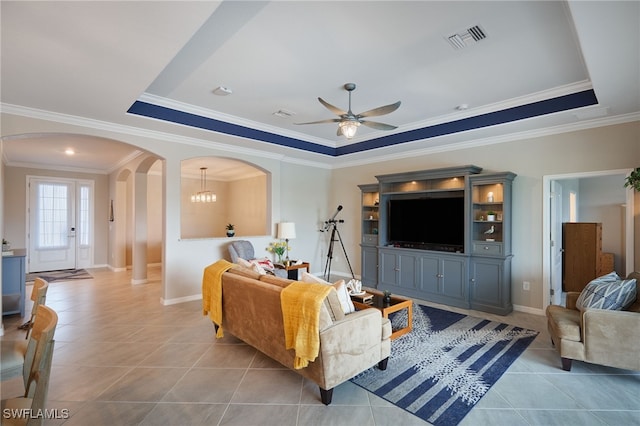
x=397 y=303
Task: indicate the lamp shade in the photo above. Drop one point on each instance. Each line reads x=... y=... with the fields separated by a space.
x=286 y=230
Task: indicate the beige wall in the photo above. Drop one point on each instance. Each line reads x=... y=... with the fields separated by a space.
x=203 y=220
x=248 y=206
x=242 y=202
x=605 y=148
x=15 y=219
x=308 y=195
x=154 y=218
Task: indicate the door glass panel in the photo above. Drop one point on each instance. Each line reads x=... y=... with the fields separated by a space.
x=53 y=213
x=83 y=223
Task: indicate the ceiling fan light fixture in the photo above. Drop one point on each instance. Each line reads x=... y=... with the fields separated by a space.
x=349 y=128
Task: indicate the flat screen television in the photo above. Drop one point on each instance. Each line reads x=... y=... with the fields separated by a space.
x=428 y=223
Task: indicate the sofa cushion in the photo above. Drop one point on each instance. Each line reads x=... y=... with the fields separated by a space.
x=341 y=289
x=564 y=322
x=272 y=279
x=607 y=294
x=244 y=271
x=332 y=303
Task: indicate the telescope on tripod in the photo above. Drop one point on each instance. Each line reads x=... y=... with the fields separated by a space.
x=332 y=224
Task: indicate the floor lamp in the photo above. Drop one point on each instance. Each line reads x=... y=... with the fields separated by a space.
x=286 y=232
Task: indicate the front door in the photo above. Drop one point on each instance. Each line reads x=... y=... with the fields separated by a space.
x=52 y=224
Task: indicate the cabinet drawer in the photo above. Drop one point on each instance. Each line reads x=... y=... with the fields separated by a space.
x=370 y=239
x=487 y=248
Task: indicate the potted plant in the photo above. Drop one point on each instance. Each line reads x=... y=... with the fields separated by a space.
x=386 y=297
x=633 y=180
x=231 y=230
x=491 y=216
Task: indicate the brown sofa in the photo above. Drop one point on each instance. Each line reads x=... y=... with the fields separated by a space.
x=597 y=336
x=349 y=344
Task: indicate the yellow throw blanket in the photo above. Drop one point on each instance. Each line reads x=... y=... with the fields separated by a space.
x=212 y=292
x=301 y=304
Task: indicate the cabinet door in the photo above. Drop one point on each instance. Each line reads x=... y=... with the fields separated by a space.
x=490 y=287
x=454 y=278
x=369 y=266
x=388 y=269
x=581 y=244
x=430 y=274
x=407 y=271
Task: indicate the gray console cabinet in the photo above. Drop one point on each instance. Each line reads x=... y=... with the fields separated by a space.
x=477 y=277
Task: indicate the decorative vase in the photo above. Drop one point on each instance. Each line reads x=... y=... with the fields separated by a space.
x=230 y=232
x=386 y=299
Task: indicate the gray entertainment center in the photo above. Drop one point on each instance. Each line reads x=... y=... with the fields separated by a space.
x=441 y=235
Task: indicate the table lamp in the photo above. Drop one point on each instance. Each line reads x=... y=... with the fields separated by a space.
x=287 y=231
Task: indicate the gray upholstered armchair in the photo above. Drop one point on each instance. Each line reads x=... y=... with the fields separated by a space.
x=244 y=249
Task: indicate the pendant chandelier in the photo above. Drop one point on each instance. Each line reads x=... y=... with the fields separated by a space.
x=203 y=196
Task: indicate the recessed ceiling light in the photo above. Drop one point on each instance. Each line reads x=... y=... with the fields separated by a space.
x=462 y=107
x=69 y=151
x=222 y=91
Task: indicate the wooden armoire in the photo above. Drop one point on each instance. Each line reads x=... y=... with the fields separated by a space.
x=583 y=259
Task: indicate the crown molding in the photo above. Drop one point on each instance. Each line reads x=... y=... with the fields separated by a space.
x=510 y=137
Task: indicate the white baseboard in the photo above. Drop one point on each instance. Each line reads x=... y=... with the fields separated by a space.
x=529 y=310
x=177 y=300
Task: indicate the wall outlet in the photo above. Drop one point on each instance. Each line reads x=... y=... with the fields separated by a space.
x=526 y=286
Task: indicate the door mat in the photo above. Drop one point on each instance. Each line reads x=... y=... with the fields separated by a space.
x=66 y=275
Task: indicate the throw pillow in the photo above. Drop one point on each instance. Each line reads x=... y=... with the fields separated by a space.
x=341 y=289
x=607 y=294
x=261 y=266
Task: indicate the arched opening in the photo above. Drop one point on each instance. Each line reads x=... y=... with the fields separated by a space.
x=242 y=198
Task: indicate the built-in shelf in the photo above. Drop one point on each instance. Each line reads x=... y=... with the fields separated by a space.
x=477 y=276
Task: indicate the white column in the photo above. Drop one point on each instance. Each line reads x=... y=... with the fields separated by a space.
x=139 y=249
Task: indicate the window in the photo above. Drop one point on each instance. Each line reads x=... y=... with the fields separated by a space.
x=84 y=212
x=53 y=214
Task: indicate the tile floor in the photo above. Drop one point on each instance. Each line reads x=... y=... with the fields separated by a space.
x=122 y=358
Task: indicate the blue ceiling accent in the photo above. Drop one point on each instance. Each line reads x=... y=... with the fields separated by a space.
x=192 y=120
x=548 y=106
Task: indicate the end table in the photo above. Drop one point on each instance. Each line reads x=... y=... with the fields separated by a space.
x=292 y=269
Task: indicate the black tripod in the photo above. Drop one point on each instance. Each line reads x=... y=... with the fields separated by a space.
x=333 y=224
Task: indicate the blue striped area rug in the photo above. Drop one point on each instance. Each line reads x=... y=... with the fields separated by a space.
x=441 y=369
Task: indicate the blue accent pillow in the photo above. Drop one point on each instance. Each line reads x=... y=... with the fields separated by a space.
x=608 y=292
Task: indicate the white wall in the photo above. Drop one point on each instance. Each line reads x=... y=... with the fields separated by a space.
x=309 y=195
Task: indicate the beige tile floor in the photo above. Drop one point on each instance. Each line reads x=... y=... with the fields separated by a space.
x=122 y=358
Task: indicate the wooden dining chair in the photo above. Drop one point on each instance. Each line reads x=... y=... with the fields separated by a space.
x=15 y=360
x=28 y=410
x=39 y=297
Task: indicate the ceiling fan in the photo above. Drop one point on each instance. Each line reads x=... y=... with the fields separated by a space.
x=349 y=122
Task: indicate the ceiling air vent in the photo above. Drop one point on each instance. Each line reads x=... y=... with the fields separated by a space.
x=283 y=113
x=467 y=37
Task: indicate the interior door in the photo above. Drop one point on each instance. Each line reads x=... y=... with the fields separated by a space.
x=556 y=243
x=52 y=227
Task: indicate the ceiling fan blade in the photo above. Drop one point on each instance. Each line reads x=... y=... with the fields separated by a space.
x=328 y=120
x=380 y=110
x=378 y=126
x=332 y=108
